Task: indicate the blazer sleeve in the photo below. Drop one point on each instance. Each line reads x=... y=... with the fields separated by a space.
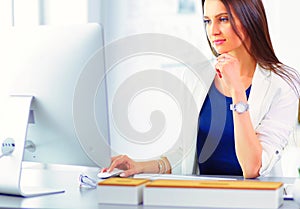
x=277 y=124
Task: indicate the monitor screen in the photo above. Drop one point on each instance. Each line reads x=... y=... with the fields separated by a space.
x=62 y=68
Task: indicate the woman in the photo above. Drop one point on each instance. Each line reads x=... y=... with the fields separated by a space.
x=261 y=92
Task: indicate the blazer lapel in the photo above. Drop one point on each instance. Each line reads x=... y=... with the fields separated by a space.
x=260 y=86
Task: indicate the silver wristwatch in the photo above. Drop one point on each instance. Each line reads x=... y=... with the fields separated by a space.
x=239 y=107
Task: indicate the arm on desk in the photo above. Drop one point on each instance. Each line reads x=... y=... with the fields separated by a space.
x=132 y=167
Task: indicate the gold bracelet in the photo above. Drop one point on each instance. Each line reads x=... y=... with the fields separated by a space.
x=165 y=165
x=160 y=166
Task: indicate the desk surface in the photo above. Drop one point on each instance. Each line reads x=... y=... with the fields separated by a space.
x=66 y=177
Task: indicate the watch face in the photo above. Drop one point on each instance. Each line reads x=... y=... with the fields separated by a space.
x=241 y=107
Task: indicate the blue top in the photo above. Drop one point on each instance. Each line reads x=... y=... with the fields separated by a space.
x=215 y=142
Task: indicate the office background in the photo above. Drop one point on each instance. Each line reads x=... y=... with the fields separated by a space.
x=179 y=18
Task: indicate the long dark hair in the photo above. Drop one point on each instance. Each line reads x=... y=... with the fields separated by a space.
x=252 y=15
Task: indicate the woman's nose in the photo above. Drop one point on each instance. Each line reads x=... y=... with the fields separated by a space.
x=215 y=29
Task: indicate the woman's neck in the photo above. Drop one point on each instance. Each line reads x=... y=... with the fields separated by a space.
x=247 y=63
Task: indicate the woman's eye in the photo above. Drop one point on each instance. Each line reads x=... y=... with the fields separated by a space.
x=223 y=19
x=206 y=22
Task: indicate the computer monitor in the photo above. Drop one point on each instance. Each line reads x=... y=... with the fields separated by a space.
x=51 y=63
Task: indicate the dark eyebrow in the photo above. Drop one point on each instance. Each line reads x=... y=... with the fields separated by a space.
x=218 y=15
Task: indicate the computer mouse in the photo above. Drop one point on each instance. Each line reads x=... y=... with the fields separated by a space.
x=105 y=175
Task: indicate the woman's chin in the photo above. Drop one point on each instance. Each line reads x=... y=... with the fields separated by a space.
x=222 y=51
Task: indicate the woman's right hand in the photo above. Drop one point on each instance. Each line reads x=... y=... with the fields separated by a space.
x=123 y=162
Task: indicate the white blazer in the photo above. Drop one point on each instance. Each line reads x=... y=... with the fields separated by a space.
x=273 y=110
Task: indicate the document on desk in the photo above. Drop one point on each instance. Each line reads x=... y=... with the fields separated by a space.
x=214 y=193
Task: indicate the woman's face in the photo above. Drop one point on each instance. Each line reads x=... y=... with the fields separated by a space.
x=219 y=30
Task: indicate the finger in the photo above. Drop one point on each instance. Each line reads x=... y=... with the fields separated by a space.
x=219 y=73
x=115 y=157
x=118 y=162
x=128 y=173
x=103 y=170
x=221 y=60
x=225 y=58
x=218 y=66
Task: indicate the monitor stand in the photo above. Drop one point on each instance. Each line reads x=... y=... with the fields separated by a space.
x=13 y=128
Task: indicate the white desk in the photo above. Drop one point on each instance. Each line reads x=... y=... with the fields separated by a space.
x=66 y=177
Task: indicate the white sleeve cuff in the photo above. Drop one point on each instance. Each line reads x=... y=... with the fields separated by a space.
x=269 y=162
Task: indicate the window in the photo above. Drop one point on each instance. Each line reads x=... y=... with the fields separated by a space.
x=49 y=12
x=6 y=13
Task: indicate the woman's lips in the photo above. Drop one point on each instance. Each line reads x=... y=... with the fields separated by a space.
x=219 y=41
